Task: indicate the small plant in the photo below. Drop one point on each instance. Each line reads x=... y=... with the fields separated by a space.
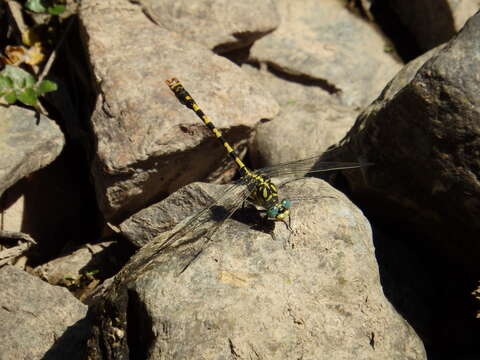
x=18 y=84
x=37 y=25
x=44 y=6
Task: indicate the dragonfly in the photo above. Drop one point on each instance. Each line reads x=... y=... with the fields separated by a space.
x=254 y=186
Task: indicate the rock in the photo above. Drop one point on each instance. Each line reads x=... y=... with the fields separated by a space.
x=72 y=265
x=312 y=292
x=13 y=246
x=28 y=142
x=38 y=320
x=63 y=194
x=434 y=22
x=323 y=41
x=83 y=269
x=148 y=144
x=423 y=136
x=220 y=25
x=160 y=217
x=310 y=120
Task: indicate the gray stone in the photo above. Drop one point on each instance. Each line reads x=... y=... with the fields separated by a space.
x=310 y=120
x=249 y=295
x=423 y=136
x=148 y=144
x=28 y=142
x=323 y=41
x=220 y=25
x=38 y=320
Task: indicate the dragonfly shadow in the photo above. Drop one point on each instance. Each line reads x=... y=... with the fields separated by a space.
x=248 y=215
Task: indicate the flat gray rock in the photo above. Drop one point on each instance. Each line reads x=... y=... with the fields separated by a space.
x=28 y=142
x=310 y=120
x=148 y=144
x=220 y=25
x=323 y=41
x=424 y=138
x=250 y=296
x=38 y=320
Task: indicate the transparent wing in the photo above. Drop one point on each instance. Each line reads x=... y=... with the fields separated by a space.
x=209 y=234
x=308 y=166
x=200 y=229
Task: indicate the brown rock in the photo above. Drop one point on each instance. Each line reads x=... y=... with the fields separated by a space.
x=148 y=145
x=323 y=41
x=38 y=320
x=312 y=292
x=220 y=25
x=423 y=136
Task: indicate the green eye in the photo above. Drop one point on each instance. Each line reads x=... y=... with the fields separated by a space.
x=272 y=212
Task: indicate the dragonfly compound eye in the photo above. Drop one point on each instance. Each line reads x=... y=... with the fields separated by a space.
x=272 y=212
x=286 y=203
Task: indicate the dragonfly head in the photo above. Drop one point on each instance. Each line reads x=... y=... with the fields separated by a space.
x=279 y=211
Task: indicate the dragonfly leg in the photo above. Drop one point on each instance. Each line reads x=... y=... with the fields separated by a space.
x=288 y=243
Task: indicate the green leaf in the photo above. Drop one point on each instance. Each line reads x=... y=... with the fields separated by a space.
x=35 y=6
x=10 y=98
x=56 y=10
x=9 y=82
x=28 y=97
x=19 y=77
x=3 y=83
x=46 y=86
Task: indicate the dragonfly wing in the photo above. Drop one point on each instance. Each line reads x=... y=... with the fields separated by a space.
x=209 y=234
x=308 y=166
x=200 y=228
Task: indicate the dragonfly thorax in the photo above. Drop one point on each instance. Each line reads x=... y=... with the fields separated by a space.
x=264 y=193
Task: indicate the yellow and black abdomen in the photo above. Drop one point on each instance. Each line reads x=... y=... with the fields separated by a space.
x=188 y=101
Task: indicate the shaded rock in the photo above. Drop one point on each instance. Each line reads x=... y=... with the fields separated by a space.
x=64 y=196
x=248 y=295
x=434 y=22
x=325 y=42
x=424 y=138
x=38 y=320
x=220 y=25
x=148 y=145
x=28 y=142
x=13 y=245
x=84 y=269
x=82 y=260
x=310 y=120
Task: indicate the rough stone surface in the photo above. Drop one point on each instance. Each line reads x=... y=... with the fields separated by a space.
x=462 y=10
x=324 y=41
x=28 y=142
x=250 y=296
x=148 y=144
x=434 y=22
x=80 y=261
x=310 y=120
x=220 y=25
x=423 y=135
x=145 y=225
x=38 y=320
